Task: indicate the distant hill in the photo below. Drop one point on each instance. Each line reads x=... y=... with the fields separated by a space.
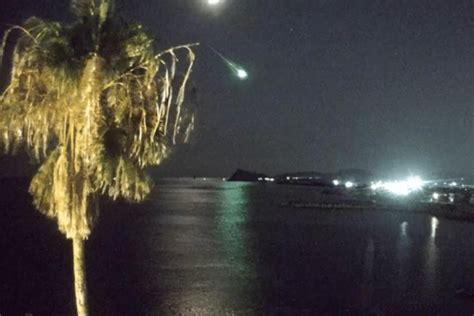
x=244 y=175
x=356 y=175
x=449 y=175
x=302 y=174
x=466 y=178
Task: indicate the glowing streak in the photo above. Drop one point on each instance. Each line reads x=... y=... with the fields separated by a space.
x=236 y=69
x=214 y=2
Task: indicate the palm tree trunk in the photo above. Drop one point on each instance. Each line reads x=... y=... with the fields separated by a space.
x=80 y=276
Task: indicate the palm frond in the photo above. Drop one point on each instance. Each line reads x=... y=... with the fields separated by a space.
x=83 y=8
x=106 y=8
x=95 y=118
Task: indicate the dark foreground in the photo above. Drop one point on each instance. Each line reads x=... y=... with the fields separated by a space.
x=216 y=248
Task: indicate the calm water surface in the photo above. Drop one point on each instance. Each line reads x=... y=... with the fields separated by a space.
x=220 y=248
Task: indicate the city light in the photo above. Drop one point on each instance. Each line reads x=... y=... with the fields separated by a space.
x=397 y=188
x=335 y=182
x=349 y=184
x=214 y=2
x=376 y=185
x=401 y=187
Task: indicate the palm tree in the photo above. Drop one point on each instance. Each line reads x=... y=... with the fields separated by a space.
x=95 y=104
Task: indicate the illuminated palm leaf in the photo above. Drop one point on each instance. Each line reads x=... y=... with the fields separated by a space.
x=95 y=104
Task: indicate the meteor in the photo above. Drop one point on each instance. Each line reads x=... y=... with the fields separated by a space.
x=240 y=72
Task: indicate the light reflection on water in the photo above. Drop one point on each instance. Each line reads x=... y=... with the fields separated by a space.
x=367 y=288
x=403 y=229
x=226 y=248
x=369 y=258
x=231 y=219
x=434 y=227
x=431 y=261
x=215 y=288
x=403 y=258
x=403 y=244
x=406 y=257
x=233 y=248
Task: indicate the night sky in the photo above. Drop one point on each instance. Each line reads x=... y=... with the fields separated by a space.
x=380 y=85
